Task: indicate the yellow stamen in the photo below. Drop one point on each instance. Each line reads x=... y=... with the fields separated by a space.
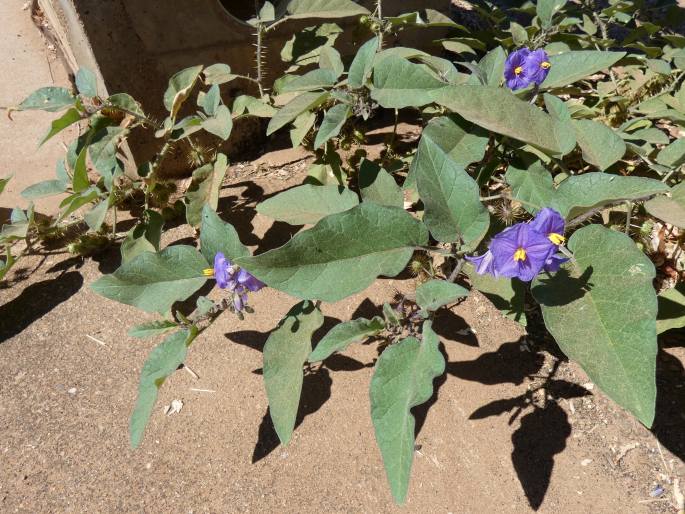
x=520 y=255
x=557 y=239
x=208 y=272
x=545 y=65
x=518 y=70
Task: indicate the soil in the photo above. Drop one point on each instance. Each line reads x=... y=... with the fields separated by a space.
x=490 y=440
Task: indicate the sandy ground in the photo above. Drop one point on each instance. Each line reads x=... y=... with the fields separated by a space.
x=70 y=375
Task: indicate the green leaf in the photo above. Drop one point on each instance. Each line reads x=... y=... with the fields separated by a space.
x=67 y=119
x=330 y=261
x=218 y=74
x=75 y=201
x=332 y=123
x=43 y=189
x=403 y=379
x=86 y=83
x=518 y=34
x=125 y=102
x=399 y=83
x=463 y=142
x=51 y=99
x=498 y=110
x=221 y=124
x=103 y=150
x=324 y=9
x=253 y=106
x=315 y=79
x=301 y=127
x=602 y=313
x=4 y=181
x=96 y=216
x=451 y=198
x=179 y=88
x=344 y=334
x=432 y=295
x=582 y=193
x=296 y=106
x=307 y=204
x=267 y=13
x=144 y=237
x=285 y=352
x=492 y=66
x=205 y=189
x=377 y=185
x=507 y=295
x=601 y=146
x=546 y=9
x=161 y=363
x=304 y=47
x=360 y=69
x=80 y=179
x=533 y=187
x=218 y=236
x=557 y=108
x=152 y=328
x=671 y=309
x=154 y=281
x=329 y=59
x=570 y=67
x=210 y=100
x=671 y=210
x=673 y=155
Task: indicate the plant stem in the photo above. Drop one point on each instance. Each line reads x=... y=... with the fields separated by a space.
x=457 y=270
x=258 y=57
x=379 y=12
x=629 y=213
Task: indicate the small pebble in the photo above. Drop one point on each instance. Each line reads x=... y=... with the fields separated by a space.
x=72 y=390
x=657 y=491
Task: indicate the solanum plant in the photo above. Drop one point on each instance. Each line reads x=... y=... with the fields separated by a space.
x=545 y=163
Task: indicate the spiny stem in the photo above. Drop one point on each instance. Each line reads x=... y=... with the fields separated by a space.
x=629 y=213
x=258 y=57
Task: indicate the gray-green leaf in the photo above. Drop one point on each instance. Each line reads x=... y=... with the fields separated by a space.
x=671 y=210
x=285 y=352
x=307 y=204
x=403 y=379
x=377 y=185
x=324 y=9
x=154 y=281
x=533 y=187
x=67 y=119
x=296 y=106
x=451 y=198
x=161 y=363
x=218 y=236
x=51 y=99
x=498 y=110
x=332 y=123
x=151 y=328
x=360 y=69
x=205 y=189
x=330 y=261
x=400 y=83
x=602 y=311
x=86 y=83
x=179 y=88
x=600 y=144
x=570 y=67
x=344 y=334
x=435 y=293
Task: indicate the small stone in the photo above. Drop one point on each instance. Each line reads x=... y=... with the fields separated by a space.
x=585 y=462
x=72 y=390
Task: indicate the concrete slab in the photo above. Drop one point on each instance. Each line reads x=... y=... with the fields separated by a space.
x=27 y=64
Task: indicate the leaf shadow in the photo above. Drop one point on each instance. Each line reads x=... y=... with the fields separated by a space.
x=36 y=301
x=669 y=421
x=544 y=427
x=562 y=288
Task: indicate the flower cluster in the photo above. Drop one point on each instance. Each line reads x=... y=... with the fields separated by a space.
x=236 y=281
x=524 y=67
x=525 y=249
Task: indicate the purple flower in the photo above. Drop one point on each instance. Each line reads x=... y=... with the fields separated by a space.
x=236 y=281
x=247 y=280
x=520 y=252
x=484 y=264
x=536 y=66
x=554 y=262
x=551 y=224
x=222 y=270
x=515 y=69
